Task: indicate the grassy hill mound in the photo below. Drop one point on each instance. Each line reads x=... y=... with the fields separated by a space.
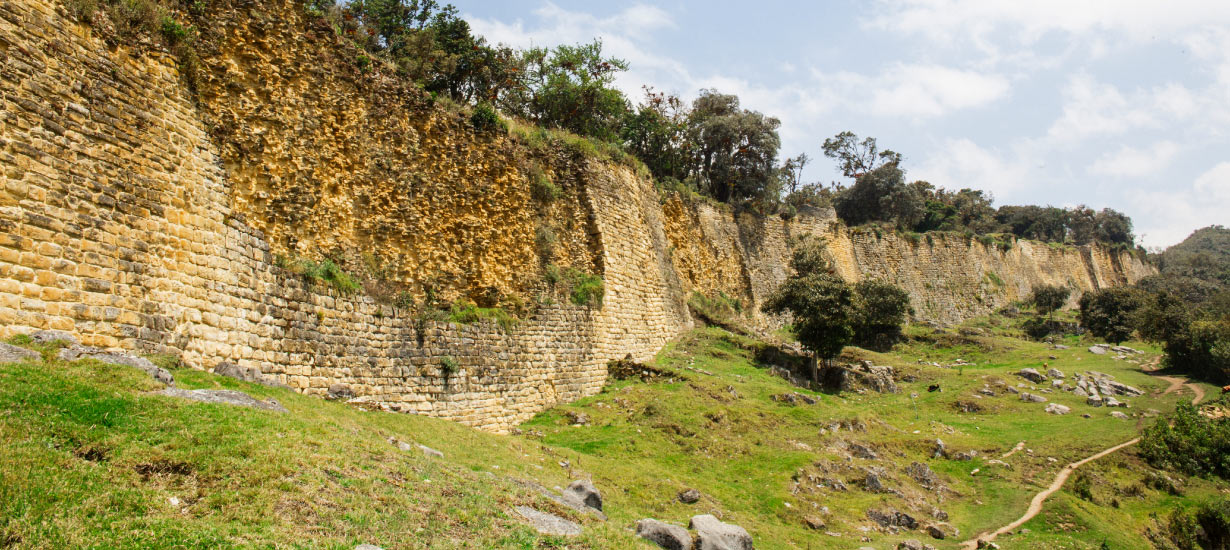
x=91 y=457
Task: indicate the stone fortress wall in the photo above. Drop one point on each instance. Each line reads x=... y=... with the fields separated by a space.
x=141 y=215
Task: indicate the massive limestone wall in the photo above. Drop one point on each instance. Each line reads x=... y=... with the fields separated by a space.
x=141 y=215
x=950 y=277
x=124 y=221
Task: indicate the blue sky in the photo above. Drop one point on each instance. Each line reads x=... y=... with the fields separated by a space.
x=1109 y=103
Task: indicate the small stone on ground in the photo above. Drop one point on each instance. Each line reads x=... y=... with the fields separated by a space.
x=548 y=524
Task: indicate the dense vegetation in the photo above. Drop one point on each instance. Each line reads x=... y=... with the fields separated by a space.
x=1186 y=307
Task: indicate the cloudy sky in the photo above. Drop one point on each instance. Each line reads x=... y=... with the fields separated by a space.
x=1111 y=103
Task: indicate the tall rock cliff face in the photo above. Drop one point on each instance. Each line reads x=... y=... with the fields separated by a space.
x=141 y=215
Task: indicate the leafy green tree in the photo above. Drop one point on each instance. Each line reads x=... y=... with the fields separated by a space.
x=1110 y=313
x=1042 y=223
x=572 y=87
x=792 y=172
x=1113 y=227
x=820 y=303
x=736 y=149
x=1048 y=298
x=1189 y=442
x=855 y=157
x=881 y=195
x=657 y=133
x=880 y=310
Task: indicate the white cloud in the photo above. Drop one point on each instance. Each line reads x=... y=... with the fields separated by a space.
x=959 y=163
x=1092 y=108
x=1170 y=215
x=1132 y=162
x=916 y=91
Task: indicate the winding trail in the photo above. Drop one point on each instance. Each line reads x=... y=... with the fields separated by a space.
x=1035 y=505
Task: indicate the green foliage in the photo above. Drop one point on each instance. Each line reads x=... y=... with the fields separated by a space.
x=1082 y=486
x=485 y=119
x=465 y=313
x=1048 y=298
x=587 y=289
x=20 y=340
x=449 y=366
x=880 y=310
x=1194 y=444
x=735 y=149
x=657 y=133
x=1110 y=313
x=856 y=158
x=1204 y=256
x=172 y=31
x=542 y=189
x=326 y=271
x=881 y=195
x=820 y=303
x=571 y=87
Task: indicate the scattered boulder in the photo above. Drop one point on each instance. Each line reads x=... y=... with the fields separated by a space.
x=585 y=491
x=966 y=455
x=1012 y=390
x=940 y=451
x=338 y=391
x=670 y=537
x=1054 y=373
x=1056 y=383
x=863 y=451
x=577 y=418
x=1059 y=346
x=73 y=353
x=49 y=336
x=814 y=523
x=548 y=524
x=941 y=531
x=1032 y=375
x=227 y=397
x=873 y=482
x=892 y=518
x=713 y=534
x=246 y=374
x=793 y=398
x=1111 y=402
x=923 y=475
x=1119 y=415
x=910 y=544
x=1032 y=398
x=14 y=354
x=1094 y=401
x=690 y=496
x=1097 y=349
x=429 y=451
x=988 y=545
x=1056 y=408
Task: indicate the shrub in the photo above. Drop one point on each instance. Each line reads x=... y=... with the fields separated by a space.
x=1194 y=444
x=587 y=290
x=404 y=300
x=1048 y=298
x=449 y=366
x=485 y=119
x=880 y=309
x=465 y=313
x=328 y=272
x=541 y=187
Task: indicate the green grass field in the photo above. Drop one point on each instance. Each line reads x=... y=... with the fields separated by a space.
x=89 y=458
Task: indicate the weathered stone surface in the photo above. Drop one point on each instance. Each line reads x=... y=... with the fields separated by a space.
x=429 y=451
x=863 y=451
x=74 y=353
x=1054 y=373
x=48 y=336
x=144 y=216
x=940 y=450
x=923 y=474
x=14 y=354
x=548 y=524
x=713 y=534
x=892 y=518
x=339 y=391
x=584 y=490
x=1056 y=408
x=1119 y=415
x=1032 y=375
x=246 y=374
x=670 y=537
x=227 y=397
x=689 y=496
x=1097 y=350
x=1032 y=397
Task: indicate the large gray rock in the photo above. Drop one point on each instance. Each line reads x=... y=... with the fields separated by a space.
x=892 y=518
x=670 y=537
x=1032 y=375
x=246 y=374
x=1054 y=373
x=923 y=475
x=1097 y=350
x=226 y=397
x=14 y=354
x=690 y=496
x=584 y=490
x=74 y=353
x=863 y=451
x=713 y=534
x=548 y=524
x=940 y=451
x=1094 y=401
x=1056 y=408
x=339 y=391
x=1032 y=398
x=49 y=336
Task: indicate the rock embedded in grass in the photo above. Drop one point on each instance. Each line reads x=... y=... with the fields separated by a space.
x=49 y=336
x=226 y=397
x=14 y=354
x=713 y=534
x=1056 y=408
x=584 y=490
x=670 y=537
x=246 y=374
x=548 y=524
x=1032 y=375
x=76 y=352
x=690 y=496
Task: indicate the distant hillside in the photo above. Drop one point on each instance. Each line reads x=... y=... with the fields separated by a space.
x=1204 y=255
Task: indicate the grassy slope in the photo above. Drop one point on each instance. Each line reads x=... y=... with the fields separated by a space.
x=88 y=459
